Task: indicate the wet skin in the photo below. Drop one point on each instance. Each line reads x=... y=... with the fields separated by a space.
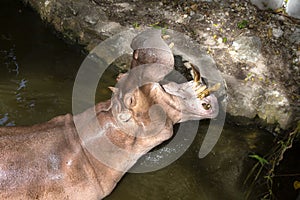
x=51 y=161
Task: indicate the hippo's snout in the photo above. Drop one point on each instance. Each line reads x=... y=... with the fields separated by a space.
x=192 y=107
x=209 y=107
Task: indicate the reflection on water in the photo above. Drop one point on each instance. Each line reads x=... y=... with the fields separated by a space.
x=4 y=120
x=36 y=69
x=10 y=58
x=36 y=78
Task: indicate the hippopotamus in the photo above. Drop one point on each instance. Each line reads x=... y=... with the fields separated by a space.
x=53 y=160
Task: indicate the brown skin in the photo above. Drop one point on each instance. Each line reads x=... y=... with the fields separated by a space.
x=49 y=161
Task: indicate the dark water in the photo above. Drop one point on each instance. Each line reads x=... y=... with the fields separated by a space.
x=287 y=173
x=37 y=71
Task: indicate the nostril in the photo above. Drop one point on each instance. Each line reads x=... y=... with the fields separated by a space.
x=206 y=106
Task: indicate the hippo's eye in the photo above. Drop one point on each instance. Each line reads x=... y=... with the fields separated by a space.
x=206 y=106
x=129 y=101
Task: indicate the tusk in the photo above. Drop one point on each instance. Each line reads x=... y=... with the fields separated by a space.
x=196 y=74
x=215 y=87
x=201 y=89
x=207 y=91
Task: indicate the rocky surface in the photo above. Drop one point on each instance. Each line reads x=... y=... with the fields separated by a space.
x=267 y=4
x=258 y=52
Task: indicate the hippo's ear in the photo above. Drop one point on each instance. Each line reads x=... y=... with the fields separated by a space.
x=114 y=89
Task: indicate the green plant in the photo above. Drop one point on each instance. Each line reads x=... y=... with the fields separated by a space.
x=265 y=166
x=157 y=25
x=261 y=160
x=135 y=25
x=242 y=24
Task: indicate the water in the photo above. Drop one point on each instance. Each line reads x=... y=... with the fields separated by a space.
x=220 y=175
x=37 y=71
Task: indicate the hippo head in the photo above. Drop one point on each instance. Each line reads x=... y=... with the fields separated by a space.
x=141 y=103
x=148 y=107
x=137 y=111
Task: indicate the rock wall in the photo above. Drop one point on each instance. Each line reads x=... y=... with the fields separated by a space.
x=258 y=52
x=267 y=4
x=293 y=8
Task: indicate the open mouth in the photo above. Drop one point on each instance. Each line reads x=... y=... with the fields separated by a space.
x=197 y=100
x=195 y=104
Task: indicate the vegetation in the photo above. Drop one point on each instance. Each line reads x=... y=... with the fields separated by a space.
x=242 y=24
x=265 y=166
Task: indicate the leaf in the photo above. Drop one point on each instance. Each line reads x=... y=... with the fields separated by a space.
x=261 y=160
x=242 y=24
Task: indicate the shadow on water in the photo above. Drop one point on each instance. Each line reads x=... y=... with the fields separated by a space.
x=37 y=71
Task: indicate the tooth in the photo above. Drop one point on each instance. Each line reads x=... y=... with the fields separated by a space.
x=195 y=85
x=196 y=74
x=171 y=45
x=201 y=89
x=203 y=94
x=215 y=87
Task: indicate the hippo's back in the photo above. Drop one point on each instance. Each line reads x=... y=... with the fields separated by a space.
x=45 y=161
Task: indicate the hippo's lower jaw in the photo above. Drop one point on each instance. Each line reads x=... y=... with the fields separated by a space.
x=191 y=106
x=196 y=109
